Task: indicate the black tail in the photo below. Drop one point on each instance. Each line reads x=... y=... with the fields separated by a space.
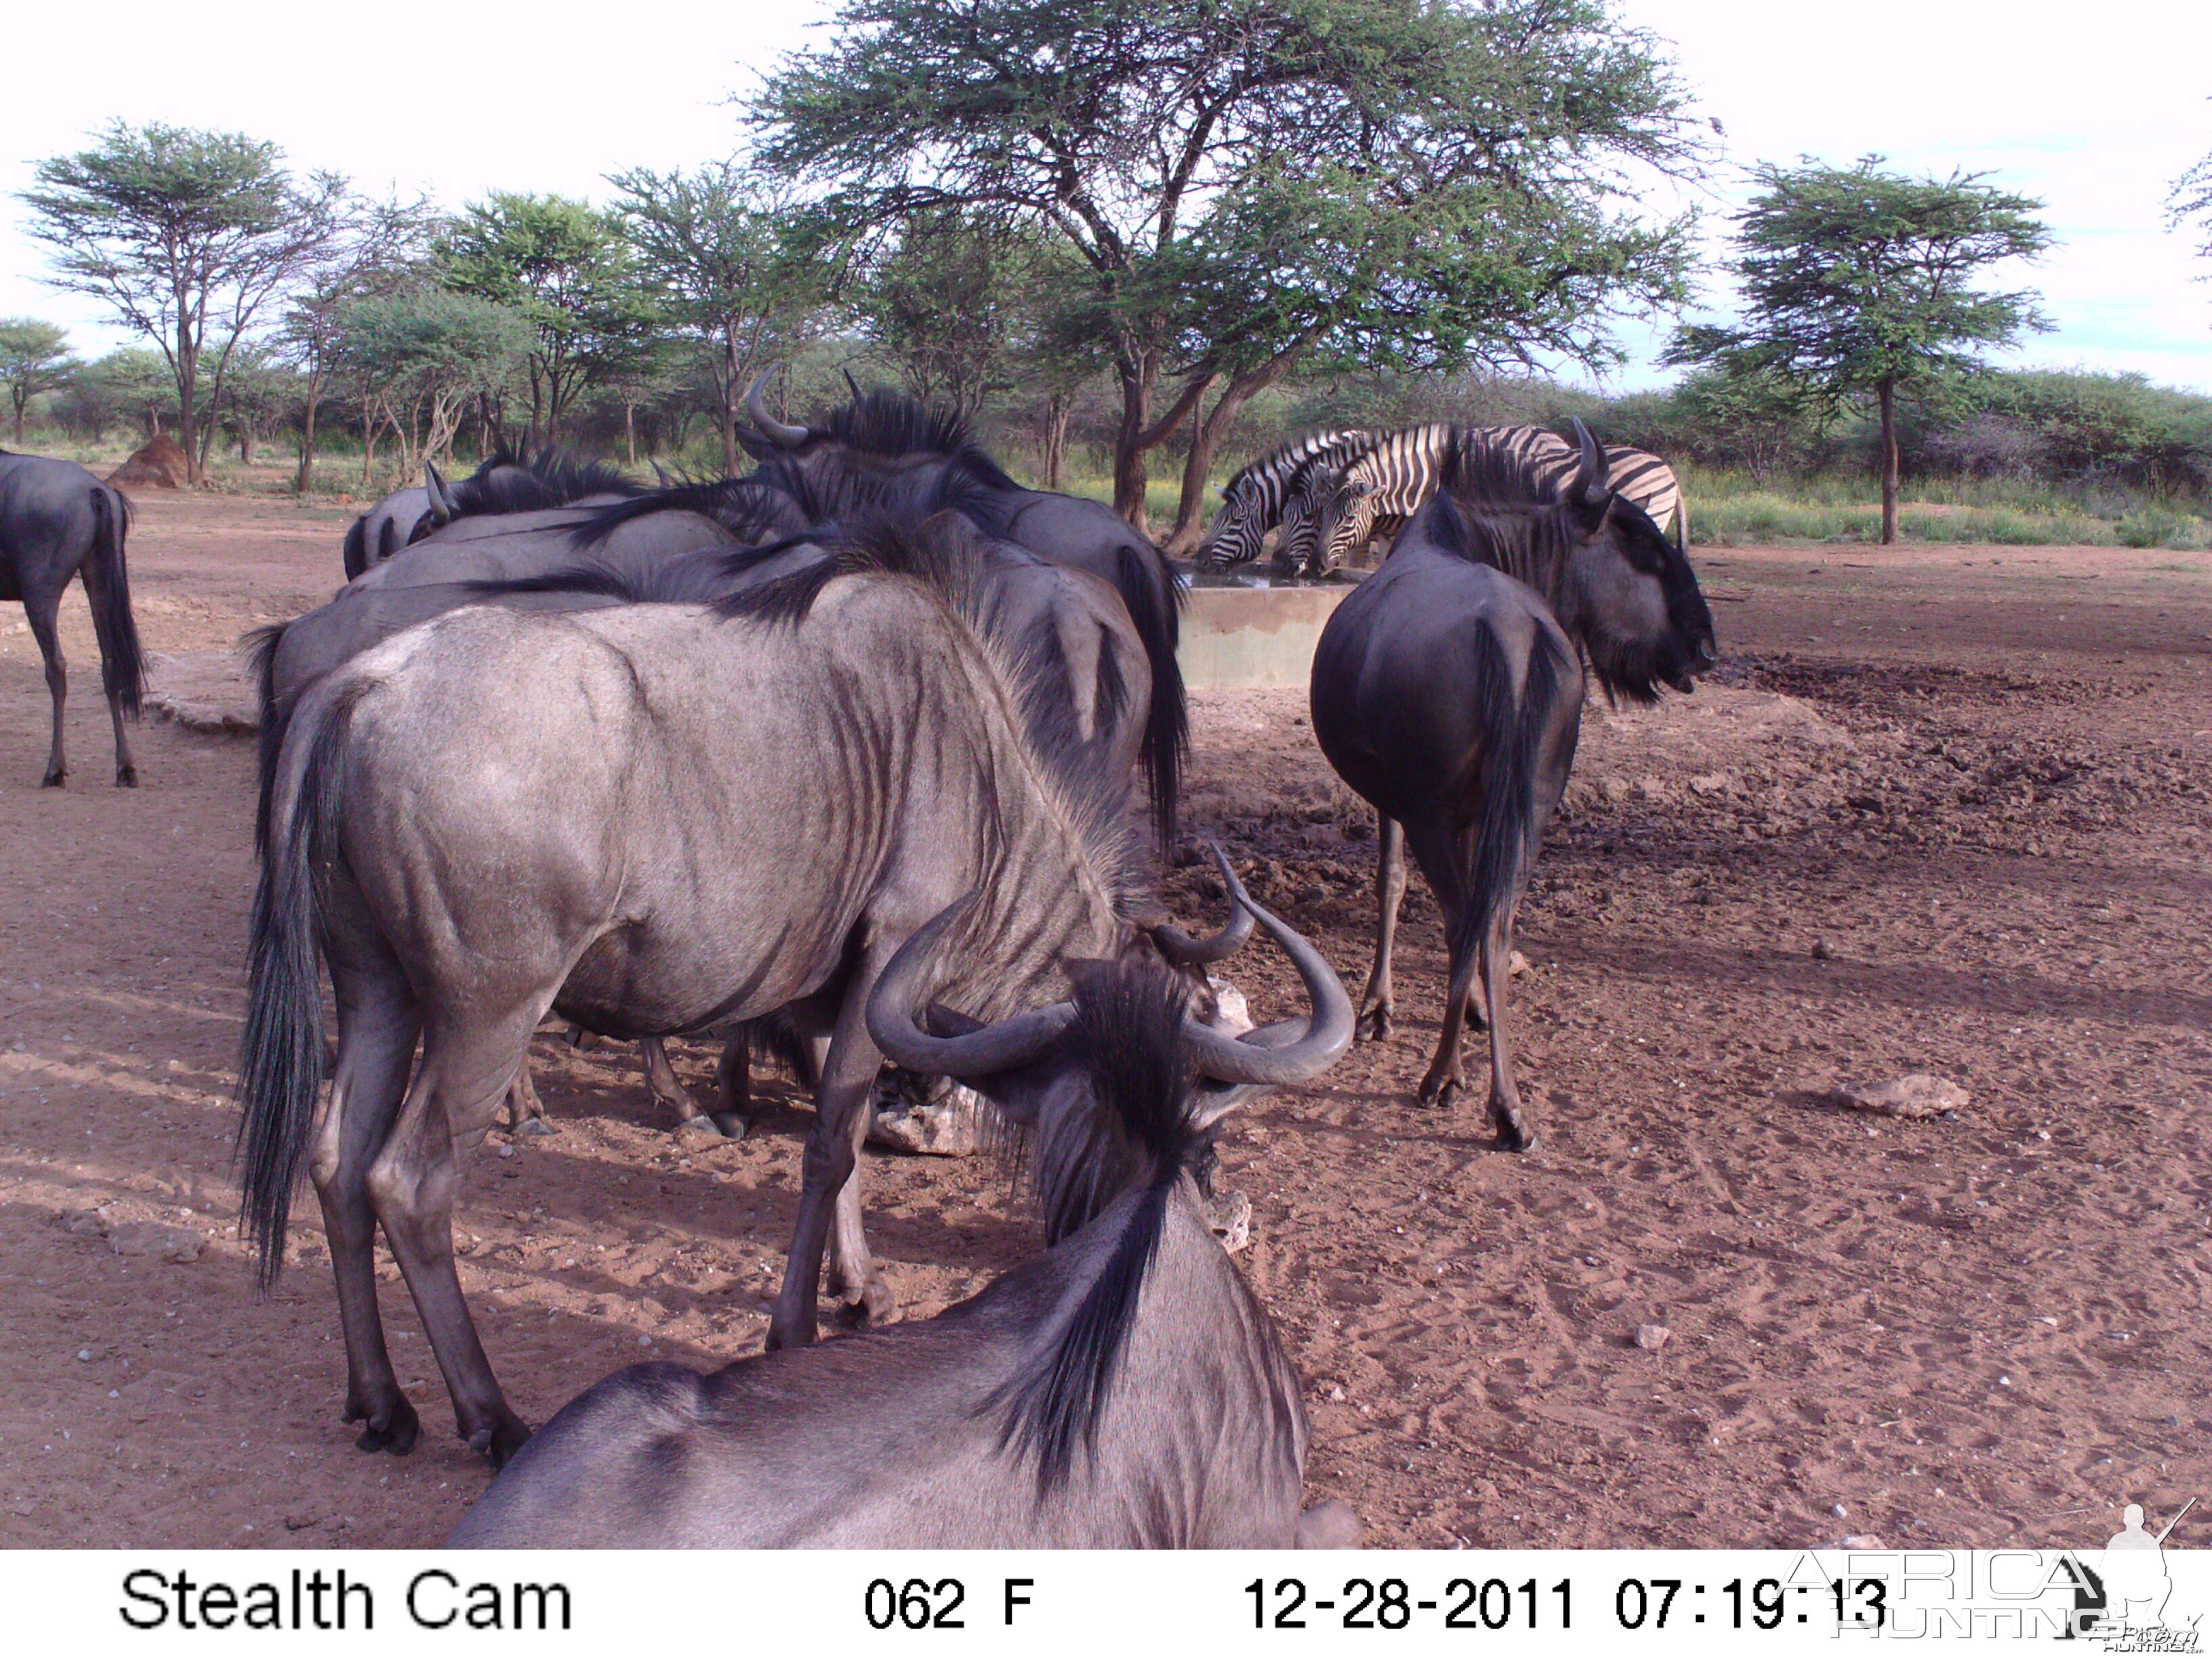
x=1504 y=832
x=1155 y=603
x=261 y=648
x=122 y=664
x=1128 y=1028
x=279 y=1072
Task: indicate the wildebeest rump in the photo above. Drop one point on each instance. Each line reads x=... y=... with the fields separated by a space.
x=57 y=521
x=1447 y=689
x=1124 y=1389
x=499 y=813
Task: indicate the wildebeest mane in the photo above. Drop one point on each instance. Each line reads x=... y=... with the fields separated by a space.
x=532 y=481
x=1136 y=1138
x=748 y=508
x=669 y=581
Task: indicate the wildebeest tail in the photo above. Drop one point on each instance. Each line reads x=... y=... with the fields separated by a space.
x=1503 y=834
x=1128 y=1027
x=259 y=647
x=280 y=1070
x=1155 y=603
x=122 y=664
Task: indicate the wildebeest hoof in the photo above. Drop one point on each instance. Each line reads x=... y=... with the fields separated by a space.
x=52 y=780
x=1512 y=1132
x=126 y=777
x=731 y=1124
x=1372 y=1026
x=397 y=1432
x=499 y=1441
x=875 y=1305
x=533 y=1126
x=1439 y=1092
x=698 y=1128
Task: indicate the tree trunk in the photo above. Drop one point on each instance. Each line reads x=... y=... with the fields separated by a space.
x=1137 y=372
x=304 y=480
x=20 y=401
x=1206 y=442
x=1056 y=437
x=630 y=429
x=1887 y=393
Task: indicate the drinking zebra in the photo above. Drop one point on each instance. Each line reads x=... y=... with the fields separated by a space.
x=1252 y=501
x=1332 y=512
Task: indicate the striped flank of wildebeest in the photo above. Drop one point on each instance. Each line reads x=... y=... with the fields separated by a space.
x=1252 y=501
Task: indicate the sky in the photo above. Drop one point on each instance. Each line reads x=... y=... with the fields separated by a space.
x=2093 y=110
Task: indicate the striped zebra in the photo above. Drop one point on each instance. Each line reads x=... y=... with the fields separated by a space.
x=1252 y=501
x=1380 y=490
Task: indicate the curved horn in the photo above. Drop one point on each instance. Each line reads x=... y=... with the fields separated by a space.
x=442 y=499
x=1327 y=1033
x=1589 y=486
x=667 y=480
x=1181 y=949
x=853 y=385
x=895 y=1008
x=789 y=436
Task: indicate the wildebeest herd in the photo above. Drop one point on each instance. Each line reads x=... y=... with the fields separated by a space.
x=839 y=759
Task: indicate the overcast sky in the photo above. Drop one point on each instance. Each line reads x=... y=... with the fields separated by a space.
x=2095 y=114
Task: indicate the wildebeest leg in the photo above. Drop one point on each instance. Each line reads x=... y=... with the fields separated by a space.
x=377 y=1027
x=668 y=1088
x=525 y=1113
x=1375 y=1004
x=1446 y=1076
x=733 y=1086
x=841 y=1106
x=41 y=610
x=1504 y=1098
x=852 y=1277
x=413 y=1182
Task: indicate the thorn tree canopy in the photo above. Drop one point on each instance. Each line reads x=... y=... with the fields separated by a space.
x=181 y=230
x=1856 y=282
x=1395 y=182
x=34 y=358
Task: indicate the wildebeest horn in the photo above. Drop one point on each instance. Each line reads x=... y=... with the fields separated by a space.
x=789 y=436
x=1589 y=486
x=1185 y=952
x=1284 y=1052
x=894 y=1009
x=442 y=500
x=667 y=482
x=853 y=385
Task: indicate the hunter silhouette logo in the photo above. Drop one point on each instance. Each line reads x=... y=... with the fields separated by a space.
x=2120 y=1602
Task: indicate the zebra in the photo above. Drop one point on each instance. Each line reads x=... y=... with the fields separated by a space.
x=1252 y=501
x=1329 y=516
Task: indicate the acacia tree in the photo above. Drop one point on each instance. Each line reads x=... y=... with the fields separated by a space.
x=738 y=266
x=34 y=358
x=564 y=268
x=948 y=300
x=187 y=234
x=420 y=358
x=378 y=248
x=1151 y=134
x=1858 y=284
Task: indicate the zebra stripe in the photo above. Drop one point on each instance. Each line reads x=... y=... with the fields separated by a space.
x=1252 y=501
x=1331 y=513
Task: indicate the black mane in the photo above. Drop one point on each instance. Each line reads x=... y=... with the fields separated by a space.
x=1136 y=1139
x=749 y=508
x=531 y=481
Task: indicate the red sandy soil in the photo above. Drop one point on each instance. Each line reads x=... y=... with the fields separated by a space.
x=1941 y=811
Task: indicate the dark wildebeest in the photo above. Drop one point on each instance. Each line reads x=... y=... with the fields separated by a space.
x=503 y=484
x=1124 y=1390
x=651 y=818
x=57 y=521
x=1448 y=691
x=883 y=450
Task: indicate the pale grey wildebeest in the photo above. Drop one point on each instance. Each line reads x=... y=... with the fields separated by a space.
x=1125 y=1389
x=650 y=818
x=1448 y=691
x=58 y=521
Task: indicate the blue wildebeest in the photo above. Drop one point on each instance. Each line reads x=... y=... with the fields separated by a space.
x=882 y=450
x=503 y=484
x=1252 y=502
x=1448 y=690
x=651 y=818
x=57 y=521
x=1125 y=1389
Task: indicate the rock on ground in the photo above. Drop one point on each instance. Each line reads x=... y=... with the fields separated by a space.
x=206 y=690
x=1918 y=1095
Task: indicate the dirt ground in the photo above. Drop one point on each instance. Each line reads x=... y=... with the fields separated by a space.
x=1940 y=811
